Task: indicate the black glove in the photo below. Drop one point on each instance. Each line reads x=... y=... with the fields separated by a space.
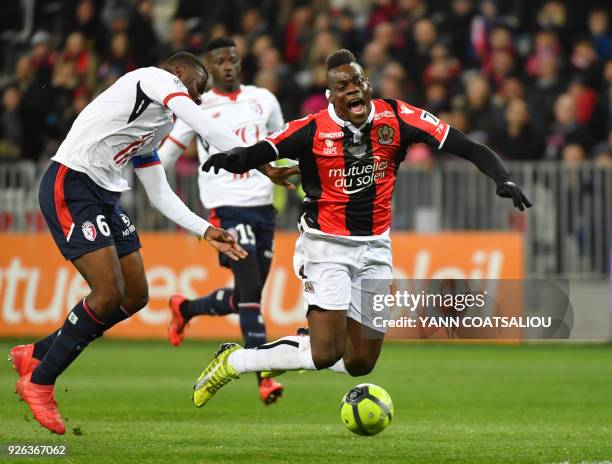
x=511 y=190
x=217 y=161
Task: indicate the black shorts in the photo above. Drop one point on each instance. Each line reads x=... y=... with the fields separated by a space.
x=253 y=227
x=82 y=216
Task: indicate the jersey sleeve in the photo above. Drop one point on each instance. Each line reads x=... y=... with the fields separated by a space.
x=181 y=134
x=294 y=139
x=144 y=161
x=420 y=126
x=175 y=144
x=275 y=120
x=161 y=86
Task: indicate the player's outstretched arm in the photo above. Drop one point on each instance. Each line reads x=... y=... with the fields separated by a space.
x=279 y=175
x=241 y=159
x=224 y=242
x=485 y=159
x=186 y=110
x=163 y=198
x=175 y=144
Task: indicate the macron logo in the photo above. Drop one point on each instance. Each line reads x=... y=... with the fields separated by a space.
x=405 y=110
x=73 y=318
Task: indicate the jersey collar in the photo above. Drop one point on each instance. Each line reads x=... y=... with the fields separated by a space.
x=342 y=123
x=231 y=95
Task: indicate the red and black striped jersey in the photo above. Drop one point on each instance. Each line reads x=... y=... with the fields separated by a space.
x=348 y=173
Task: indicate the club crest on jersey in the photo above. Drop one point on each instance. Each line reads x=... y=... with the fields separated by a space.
x=385 y=134
x=308 y=287
x=89 y=231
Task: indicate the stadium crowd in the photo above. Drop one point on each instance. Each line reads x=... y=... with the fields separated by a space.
x=532 y=78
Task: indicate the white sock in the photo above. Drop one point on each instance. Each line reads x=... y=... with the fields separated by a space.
x=288 y=353
x=339 y=367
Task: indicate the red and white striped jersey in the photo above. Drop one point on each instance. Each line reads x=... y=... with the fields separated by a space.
x=128 y=119
x=349 y=173
x=252 y=113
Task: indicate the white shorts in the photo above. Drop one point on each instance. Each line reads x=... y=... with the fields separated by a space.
x=332 y=271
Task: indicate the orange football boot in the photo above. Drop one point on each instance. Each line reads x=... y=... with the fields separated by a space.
x=42 y=404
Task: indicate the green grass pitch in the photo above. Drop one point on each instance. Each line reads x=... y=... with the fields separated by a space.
x=453 y=404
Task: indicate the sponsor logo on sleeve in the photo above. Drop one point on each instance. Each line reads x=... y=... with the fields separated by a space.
x=405 y=110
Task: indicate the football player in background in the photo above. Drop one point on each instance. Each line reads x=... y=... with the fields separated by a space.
x=349 y=155
x=240 y=203
x=79 y=198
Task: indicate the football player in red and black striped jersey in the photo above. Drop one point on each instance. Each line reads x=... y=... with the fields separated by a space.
x=348 y=155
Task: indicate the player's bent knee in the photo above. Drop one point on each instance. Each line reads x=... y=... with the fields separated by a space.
x=105 y=303
x=134 y=304
x=326 y=358
x=358 y=368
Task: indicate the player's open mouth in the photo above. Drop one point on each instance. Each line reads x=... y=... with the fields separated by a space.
x=357 y=106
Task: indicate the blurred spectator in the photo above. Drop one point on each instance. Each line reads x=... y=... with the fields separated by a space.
x=502 y=66
x=23 y=72
x=118 y=62
x=436 y=98
x=82 y=59
x=544 y=90
x=384 y=11
x=373 y=60
x=296 y=33
x=442 y=66
x=584 y=62
x=511 y=88
x=456 y=25
x=602 y=153
x=478 y=107
x=394 y=83
x=573 y=154
x=599 y=29
x=566 y=130
x=417 y=53
x=252 y=24
x=553 y=16
x=143 y=39
x=585 y=98
x=315 y=99
x=344 y=26
x=483 y=24
x=84 y=17
x=11 y=129
x=518 y=139
x=323 y=44
x=546 y=45
x=177 y=39
x=42 y=57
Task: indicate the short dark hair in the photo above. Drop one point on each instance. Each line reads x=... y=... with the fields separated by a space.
x=220 y=42
x=184 y=59
x=339 y=57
